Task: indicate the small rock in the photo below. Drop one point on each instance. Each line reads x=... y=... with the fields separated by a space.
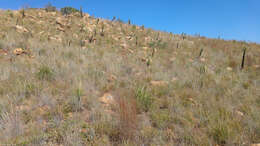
x=60 y=29
x=75 y=35
x=202 y=59
x=129 y=37
x=3 y=52
x=21 y=29
x=41 y=32
x=86 y=15
x=239 y=113
x=59 y=21
x=56 y=39
x=172 y=59
x=107 y=99
x=143 y=59
x=19 y=51
x=159 y=83
x=229 y=69
x=145 y=48
x=131 y=51
x=124 y=45
x=174 y=79
x=111 y=78
x=257 y=66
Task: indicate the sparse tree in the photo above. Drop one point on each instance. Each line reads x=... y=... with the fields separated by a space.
x=50 y=8
x=114 y=18
x=81 y=12
x=243 y=59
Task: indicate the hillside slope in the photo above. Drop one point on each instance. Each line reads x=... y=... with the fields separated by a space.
x=71 y=80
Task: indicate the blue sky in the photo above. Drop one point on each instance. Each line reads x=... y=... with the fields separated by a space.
x=228 y=19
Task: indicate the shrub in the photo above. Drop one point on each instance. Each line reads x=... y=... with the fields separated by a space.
x=68 y=10
x=45 y=73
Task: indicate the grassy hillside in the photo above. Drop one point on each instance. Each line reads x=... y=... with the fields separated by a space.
x=88 y=81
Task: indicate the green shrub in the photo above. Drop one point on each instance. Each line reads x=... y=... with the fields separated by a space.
x=45 y=73
x=144 y=100
x=68 y=10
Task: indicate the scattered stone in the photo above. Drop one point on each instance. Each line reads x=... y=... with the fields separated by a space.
x=148 y=39
x=159 y=83
x=19 y=51
x=21 y=29
x=257 y=66
x=56 y=39
x=174 y=79
x=129 y=37
x=144 y=59
x=41 y=32
x=86 y=15
x=23 y=108
x=131 y=51
x=239 y=113
x=32 y=17
x=172 y=59
x=124 y=45
x=202 y=59
x=145 y=48
x=138 y=74
x=75 y=35
x=229 y=69
x=111 y=78
x=107 y=99
x=60 y=29
x=53 y=13
x=59 y=22
x=3 y=52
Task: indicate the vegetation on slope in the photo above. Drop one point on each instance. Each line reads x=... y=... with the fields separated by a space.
x=90 y=81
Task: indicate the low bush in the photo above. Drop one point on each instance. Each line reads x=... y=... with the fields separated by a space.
x=68 y=10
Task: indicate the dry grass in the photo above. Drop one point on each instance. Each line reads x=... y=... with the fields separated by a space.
x=51 y=97
x=127 y=119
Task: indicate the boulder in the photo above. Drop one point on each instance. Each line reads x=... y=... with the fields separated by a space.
x=19 y=51
x=21 y=29
x=107 y=99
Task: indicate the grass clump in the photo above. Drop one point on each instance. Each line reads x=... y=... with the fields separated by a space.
x=220 y=134
x=45 y=73
x=144 y=99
